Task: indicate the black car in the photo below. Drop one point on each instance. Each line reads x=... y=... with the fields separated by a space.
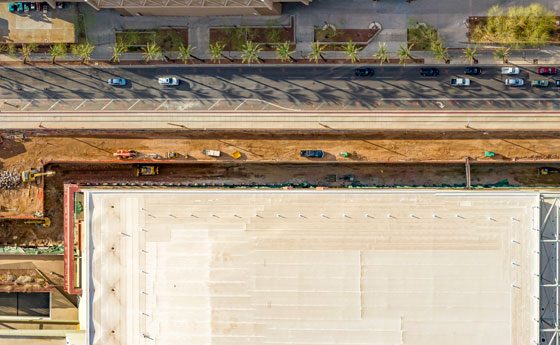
x=429 y=72
x=312 y=153
x=364 y=72
x=473 y=70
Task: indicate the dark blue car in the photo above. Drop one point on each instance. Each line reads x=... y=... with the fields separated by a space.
x=312 y=153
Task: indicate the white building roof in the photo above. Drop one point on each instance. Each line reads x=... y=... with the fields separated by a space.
x=228 y=267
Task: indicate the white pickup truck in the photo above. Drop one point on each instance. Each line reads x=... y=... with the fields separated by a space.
x=510 y=70
x=460 y=82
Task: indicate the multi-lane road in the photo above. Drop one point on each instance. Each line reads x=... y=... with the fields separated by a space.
x=291 y=97
x=294 y=87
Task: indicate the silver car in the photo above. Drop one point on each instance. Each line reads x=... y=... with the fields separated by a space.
x=168 y=81
x=514 y=82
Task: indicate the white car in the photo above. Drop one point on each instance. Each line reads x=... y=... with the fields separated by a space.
x=460 y=82
x=510 y=70
x=168 y=81
x=514 y=82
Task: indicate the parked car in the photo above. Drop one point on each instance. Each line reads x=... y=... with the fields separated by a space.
x=116 y=82
x=312 y=153
x=168 y=81
x=557 y=83
x=460 y=82
x=429 y=72
x=473 y=70
x=546 y=70
x=510 y=70
x=540 y=83
x=514 y=82
x=364 y=72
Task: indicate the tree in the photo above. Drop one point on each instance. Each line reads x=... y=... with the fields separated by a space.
x=216 y=51
x=532 y=25
x=152 y=51
x=404 y=53
x=284 y=52
x=250 y=52
x=440 y=52
x=316 y=52
x=502 y=54
x=185 y=52
x=118 y=50
x=352 y=50
x=57 y=50
x=83 y=50
x=11 y=49
x=382 y=53
x=26 y=50
x=470 y=54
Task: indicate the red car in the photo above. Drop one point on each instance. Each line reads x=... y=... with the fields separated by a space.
x=546 y=70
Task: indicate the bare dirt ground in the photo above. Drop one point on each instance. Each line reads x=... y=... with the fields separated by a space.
x=258 y=165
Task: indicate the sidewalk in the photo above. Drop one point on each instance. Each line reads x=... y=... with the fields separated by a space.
x=462 y=121
x=394 y=16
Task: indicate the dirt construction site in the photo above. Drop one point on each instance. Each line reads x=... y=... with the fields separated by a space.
x=468 y=159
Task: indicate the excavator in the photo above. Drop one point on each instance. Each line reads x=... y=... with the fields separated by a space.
x=32 y=174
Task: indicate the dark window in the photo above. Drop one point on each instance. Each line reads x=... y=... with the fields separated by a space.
x=31 y=304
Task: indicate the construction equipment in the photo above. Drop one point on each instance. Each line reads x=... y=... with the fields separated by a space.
x=344 y=154
x=212 y=153
x=172 y=155
x=147 y=170
x=44 y=222
x=489 y=154
x=548 y=171
x=236 y=155
x=125 y=154
x=32 y=174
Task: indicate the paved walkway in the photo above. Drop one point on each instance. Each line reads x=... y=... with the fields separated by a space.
x=449 y=16
x=549 y=121
x=394 y=16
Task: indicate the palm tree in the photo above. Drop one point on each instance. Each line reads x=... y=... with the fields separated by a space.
x=84 y=51
x=186 y=52
x=352 y=50
x=502 y=54
x=216 y=51
x=250 y=52
x=152 y=51
x=404 y=53
x=284 y=52
x=26 y=50
x=470 y=54
x=57 y=50
x=119 y=49
x=440 y=52
x=382 y=53
x=316 y=52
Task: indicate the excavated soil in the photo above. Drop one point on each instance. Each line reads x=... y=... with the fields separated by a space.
x=259 y=164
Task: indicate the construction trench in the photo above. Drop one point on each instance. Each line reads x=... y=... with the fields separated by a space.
x=386 y=159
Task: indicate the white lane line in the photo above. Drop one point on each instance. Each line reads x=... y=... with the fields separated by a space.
x=240 y=105
x=25 y=106
x=161 y=105
x=132 y=106
x=215 y=104
x=80 y=105
x=52 y=106
x=106 y=105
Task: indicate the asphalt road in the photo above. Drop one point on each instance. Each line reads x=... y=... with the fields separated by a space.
x=295 y=87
